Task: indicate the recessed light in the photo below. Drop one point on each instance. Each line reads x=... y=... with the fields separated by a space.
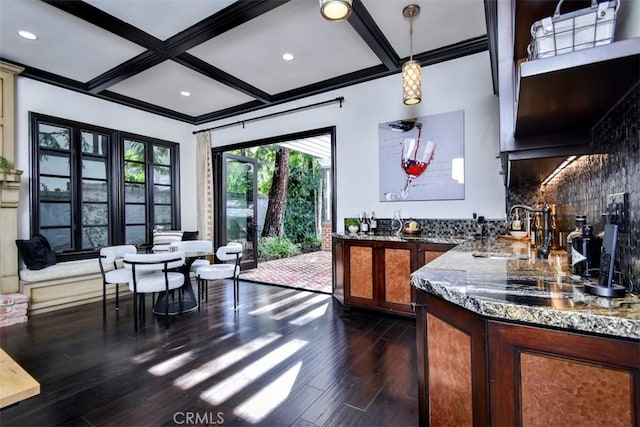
x=185 y=93
x=27 y=35
x=287 y=56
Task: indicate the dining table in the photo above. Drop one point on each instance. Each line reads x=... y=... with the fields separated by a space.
x=189 y=300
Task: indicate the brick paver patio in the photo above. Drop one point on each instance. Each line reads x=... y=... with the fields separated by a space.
x=311 y=271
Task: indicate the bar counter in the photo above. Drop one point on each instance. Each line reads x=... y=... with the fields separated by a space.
x=504 y=338
x=502 y=279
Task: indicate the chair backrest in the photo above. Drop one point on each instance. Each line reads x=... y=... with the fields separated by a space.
x=191 y=245
x=230 y=252
x=162 y=239
x=109 y=254
x=154 y=262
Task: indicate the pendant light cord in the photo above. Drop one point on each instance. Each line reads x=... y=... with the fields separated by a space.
x=411 y=38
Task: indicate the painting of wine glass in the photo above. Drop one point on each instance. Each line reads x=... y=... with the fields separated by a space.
x=422 y=158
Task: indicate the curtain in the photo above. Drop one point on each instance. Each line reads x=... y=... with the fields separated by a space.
x=204 y=186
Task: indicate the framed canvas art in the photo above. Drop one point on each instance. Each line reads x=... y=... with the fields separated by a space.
x=422 y=158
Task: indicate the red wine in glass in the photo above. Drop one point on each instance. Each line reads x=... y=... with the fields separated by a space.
x=417 y=154
x=414 y=168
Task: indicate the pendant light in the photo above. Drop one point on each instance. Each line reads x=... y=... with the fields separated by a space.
x=411 y=70
x=336 y=10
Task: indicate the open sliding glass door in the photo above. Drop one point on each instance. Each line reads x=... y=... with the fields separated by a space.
x=237 y=205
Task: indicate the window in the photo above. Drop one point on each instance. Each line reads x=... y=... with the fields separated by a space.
x=94 y=187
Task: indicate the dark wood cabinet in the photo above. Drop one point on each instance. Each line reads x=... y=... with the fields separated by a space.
x=452 y=375
x=548 y=106
x=562 y=378
x=376 y=273
x=477 y=371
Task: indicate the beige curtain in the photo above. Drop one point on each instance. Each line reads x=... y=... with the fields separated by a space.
x=204 y=186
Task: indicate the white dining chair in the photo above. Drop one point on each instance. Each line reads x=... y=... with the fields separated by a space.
x=151 y=273
x=230 y=252
x=193 y=246
x=113 y=255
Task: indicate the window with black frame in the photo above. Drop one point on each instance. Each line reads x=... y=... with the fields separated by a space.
x=95 y=187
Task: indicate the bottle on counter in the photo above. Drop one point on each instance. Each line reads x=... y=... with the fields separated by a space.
x=364 y=223
x=580 y=221
x=373 y=223
x=396 y=223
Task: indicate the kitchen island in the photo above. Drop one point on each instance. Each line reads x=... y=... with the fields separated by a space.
x=506 y=339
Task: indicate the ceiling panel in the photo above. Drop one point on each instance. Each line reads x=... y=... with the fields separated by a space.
x=161 y=18
x=253 y=51
x=440 y=23
x=228 y=54
x=317 y=146
x=162 y=84
x=67 y=46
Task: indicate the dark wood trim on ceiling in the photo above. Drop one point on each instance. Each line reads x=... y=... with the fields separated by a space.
x=144 y=106
x=203 y=67
x=453 y=51
x=491 y=17
x=50 y=78
x=366 y=27
x=457 y=50
x=107 y=22
x=127 y=69
x=175 y=49
x=228 y=18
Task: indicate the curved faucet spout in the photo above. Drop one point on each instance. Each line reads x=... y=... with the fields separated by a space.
x=547 y=227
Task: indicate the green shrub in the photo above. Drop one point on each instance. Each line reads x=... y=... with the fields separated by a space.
x=270 y=248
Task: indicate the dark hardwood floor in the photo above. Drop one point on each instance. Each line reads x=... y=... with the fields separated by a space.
x=288 y=357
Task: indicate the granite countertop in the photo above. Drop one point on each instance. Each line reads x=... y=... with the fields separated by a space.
x=409 y=238
x=502 y=279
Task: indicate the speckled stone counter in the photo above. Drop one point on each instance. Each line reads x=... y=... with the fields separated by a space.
x=409 y=238
x=503 y=280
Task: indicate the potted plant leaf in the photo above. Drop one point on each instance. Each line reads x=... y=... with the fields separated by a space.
x=352 y=224
x=4 y=167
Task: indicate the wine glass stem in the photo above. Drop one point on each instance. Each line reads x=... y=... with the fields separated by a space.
x=405 y=191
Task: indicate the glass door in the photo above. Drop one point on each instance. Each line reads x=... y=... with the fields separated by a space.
x=240 y=206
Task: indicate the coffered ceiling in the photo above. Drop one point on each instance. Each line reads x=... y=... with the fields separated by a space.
x=226 y=54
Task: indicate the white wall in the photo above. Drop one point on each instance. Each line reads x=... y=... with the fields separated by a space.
x=47 y=99
x=628 y=18
x=464 y=84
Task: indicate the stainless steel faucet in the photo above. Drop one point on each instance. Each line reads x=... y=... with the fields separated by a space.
x=542 y=251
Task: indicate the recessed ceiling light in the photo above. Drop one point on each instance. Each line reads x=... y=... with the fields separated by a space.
x=27 y=35
x=185 y=93
x=287 y=56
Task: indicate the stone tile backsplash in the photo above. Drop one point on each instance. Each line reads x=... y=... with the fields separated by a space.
x=613 y=167
x=449 y=228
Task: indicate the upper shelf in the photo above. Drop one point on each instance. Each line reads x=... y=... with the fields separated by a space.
x=572 y=91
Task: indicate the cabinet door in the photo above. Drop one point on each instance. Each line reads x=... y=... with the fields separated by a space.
x=359 y=277
x=452 y=380
x=427 y=252
x=545 y=377
x=397 y=262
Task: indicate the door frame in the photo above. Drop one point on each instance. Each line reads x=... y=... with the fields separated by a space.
x=218 y=179
x=246 y=263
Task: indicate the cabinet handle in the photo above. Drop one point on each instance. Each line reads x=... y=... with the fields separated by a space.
x=414 y=306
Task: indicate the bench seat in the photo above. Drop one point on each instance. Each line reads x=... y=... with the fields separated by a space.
x=64 y=285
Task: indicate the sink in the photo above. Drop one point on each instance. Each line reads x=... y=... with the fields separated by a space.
x=497 y=255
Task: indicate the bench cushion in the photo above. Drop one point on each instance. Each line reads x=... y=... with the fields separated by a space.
x=61 y=270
